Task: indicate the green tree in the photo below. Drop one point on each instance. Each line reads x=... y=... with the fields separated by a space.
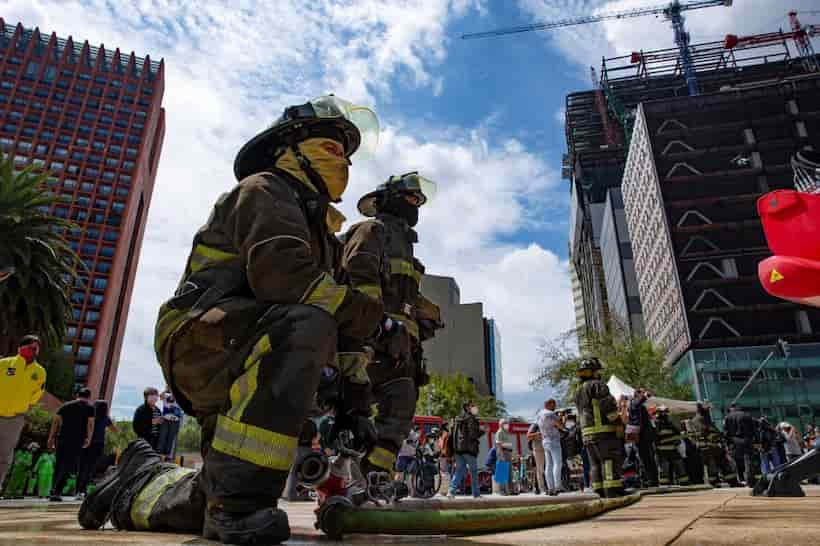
x=34 y=299
x=119 y=440
x=38 y=424
x=59 y=372
x=633 y=358
x=190 y=436
x=445 y=394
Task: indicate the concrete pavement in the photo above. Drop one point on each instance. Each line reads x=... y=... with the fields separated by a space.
x=722 y=516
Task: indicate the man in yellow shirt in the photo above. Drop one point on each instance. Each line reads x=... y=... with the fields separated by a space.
x=21 y=385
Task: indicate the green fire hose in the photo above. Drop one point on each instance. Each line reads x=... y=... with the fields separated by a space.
x=341 y=517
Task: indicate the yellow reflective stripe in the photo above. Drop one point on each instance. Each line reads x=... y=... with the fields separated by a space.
x=612 y=416
x=382 y=458
x=260 y=349
x=611 y=484
x=326 y=294
x=597 y=485
x=255 y=445
x=398 y=266
x=205 y=256
x=168 y=322
x=372 y=290
x=144 y=504
x=666 y=448
x=243 y=390
x=608 y=474
x=683 y=479
x=409 y=323
x=671 y=439
x=588 y=431
x=596 y=412
x=731 y=476
x=354 y=367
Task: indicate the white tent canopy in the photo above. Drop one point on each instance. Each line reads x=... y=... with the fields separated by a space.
x=618 y=388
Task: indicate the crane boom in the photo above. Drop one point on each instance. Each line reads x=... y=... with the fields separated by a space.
x=626 y=14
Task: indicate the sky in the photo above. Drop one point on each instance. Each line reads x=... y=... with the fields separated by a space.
x=483 y=118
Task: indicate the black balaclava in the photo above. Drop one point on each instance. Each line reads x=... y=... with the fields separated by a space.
x=397 y=205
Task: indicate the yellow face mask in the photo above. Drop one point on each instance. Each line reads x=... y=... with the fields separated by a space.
x=326 y=157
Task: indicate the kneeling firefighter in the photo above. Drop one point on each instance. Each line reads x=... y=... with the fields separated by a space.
x=244 y=339
x=379 y=260
x=601 y=428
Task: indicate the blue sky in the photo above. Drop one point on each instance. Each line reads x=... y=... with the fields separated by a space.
x=481 y=117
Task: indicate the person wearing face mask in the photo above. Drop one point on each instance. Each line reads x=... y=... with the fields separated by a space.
x=245 y=338
x=379 y=260
x=71 y=432
x=21 y=385
x=169 y=429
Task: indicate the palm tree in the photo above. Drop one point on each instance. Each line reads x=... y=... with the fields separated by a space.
x=37 y=266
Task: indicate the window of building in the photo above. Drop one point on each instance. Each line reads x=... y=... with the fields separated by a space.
x=84 y=352
x=81 y=370
x=108 y=175
x=115 y=149
x=56 y=166
x=69 y=183
x=111 y=162
x=95 y=300
x=73 y=169
x=101 y=204
x=131 y=152
x=96 y=92
x=80 y=215
x=100 y=284
x=122 y=192
x=92 y=172
x=125 y=179
x=128 y=165
x=92 y=317
x=110 y=235
x=89 y=334
x=105 y=189
x=87 y=187
x=65 y=139
x=103 y=267
x=107 y=251
x=77 y=297
x=77 y=156
x=68 y=349
x=75 y=314
x=89 y=249
x=92 y=233
x=118 y=208
x=71 y=332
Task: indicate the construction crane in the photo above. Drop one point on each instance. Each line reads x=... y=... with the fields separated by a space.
x=671 y=12
x=800 y=34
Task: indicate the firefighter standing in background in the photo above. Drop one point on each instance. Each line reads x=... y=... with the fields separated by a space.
x=601 y=429
x=379 y=261
x=741 y=431
x=668 y=438
x=708 y=440
x=243 y=341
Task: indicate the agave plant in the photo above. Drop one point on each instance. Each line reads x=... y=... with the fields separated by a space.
x=37 y=266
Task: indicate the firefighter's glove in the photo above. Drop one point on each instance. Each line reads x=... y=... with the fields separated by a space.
x=396 y=340
x=362 y=428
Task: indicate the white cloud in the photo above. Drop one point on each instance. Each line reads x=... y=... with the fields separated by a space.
x=230 y=69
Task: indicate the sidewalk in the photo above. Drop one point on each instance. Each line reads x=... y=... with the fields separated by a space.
x=722 y=516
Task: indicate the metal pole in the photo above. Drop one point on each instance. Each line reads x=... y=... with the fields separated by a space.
x=695 y=375
x=749 y=382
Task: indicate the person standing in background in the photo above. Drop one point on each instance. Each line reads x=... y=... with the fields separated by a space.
x=71 y=432
x=534 y=439
x=550 y=426
x=793 y=445
x=148 y=418
x=21 y=386
x=91 y=454
x=169 y=428
x=503 y=450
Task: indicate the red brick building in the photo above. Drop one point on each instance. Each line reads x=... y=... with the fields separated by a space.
x=92 y=117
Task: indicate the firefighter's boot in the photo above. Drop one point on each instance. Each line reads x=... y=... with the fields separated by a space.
x=136 y=461
x=265 y=526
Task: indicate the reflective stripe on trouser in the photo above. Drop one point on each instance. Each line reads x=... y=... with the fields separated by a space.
x=146 y=500
x=395 y=396
x=606 y=461
x=255 y=439
x=173 y=500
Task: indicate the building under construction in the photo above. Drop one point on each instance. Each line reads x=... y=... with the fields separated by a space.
x=683 y=173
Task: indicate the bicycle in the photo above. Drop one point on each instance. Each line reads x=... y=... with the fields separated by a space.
x=425 y=473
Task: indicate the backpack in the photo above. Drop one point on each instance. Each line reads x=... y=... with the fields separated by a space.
x=464 y=441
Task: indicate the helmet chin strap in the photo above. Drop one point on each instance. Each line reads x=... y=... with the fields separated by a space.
x=307 y=168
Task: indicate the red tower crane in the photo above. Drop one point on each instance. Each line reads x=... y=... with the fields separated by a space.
x=800 y=34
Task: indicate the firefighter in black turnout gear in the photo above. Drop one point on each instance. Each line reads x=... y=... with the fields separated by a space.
x=601 y=428
x=671 y=468
x=243 y=341
x=709 y=442
x=740 y=429
x=379 y=261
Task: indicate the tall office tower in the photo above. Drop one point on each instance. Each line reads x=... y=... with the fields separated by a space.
x=92 y=118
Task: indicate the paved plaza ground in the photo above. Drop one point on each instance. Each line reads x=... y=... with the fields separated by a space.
x=721 y=516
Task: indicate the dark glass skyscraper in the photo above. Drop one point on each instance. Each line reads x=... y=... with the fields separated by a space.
x=92 y=118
